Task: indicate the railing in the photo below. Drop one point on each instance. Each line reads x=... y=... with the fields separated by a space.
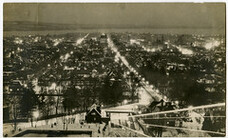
x=199 y=121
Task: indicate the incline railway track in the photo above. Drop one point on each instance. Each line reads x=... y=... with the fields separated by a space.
x=205 y=120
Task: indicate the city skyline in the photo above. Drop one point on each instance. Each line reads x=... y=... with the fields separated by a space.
x=114 y=70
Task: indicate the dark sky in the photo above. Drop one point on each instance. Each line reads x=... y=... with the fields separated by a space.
x=157 y=15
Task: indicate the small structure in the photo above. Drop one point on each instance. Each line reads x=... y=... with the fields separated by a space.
x=93 y=115
x=103 y=39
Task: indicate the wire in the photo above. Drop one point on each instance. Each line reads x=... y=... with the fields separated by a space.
x=180 y=110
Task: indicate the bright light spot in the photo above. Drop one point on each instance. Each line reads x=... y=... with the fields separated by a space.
x=185 y=51
x=57 y=41
x=112 y=79
x=68 y=68
x=176 y=102
x=37 y=39
x=18 y=40
x=25 y=85
x=219 y=59
x=36 y=114
x=125 y=101
x=133 y=41
x=53 y=86
x=78 y=87
x=65 y=57
x=211 y=44
x=80 y=40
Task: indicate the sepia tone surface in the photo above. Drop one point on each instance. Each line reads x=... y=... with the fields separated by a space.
x=114 y=69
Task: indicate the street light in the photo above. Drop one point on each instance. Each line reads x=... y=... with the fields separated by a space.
x=147 y=82
x=25 y=85
x=176 y=102
x=125 y=101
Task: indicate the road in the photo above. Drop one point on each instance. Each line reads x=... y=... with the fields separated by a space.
x=149 y=89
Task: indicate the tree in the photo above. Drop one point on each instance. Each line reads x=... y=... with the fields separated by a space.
x=134 y=84
x=117 y=91
x=45 y=104
x=104 y=94
x=111 y=92
x=28 y=102
x=14 y=100
x=86 y=95
x=71 y=98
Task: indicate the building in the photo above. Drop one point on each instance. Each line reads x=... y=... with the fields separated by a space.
x=103 y=39
x=93 y=115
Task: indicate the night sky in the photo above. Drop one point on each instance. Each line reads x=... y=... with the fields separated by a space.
x=152 y=15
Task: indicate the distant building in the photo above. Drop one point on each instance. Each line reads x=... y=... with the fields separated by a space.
x=103 y=39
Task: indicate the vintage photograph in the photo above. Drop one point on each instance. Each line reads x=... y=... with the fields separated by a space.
x=114 y=69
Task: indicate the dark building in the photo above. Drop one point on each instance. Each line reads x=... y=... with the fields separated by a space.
x=103 y=39
x=93 y=115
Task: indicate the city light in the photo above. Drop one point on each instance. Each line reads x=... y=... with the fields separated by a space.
x=176 y=102
x=131 y=80
x=211 y=44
